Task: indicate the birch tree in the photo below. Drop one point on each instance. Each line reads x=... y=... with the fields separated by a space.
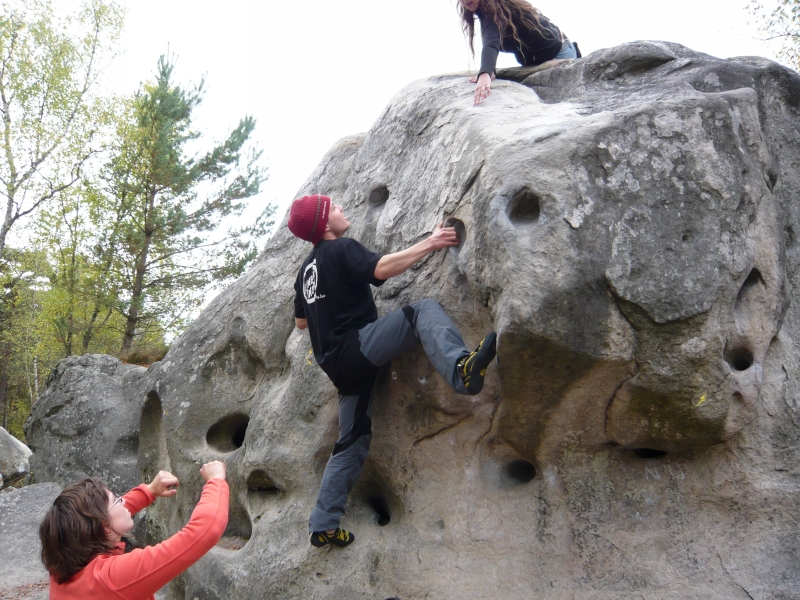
x=49 y=120
x=781 y=22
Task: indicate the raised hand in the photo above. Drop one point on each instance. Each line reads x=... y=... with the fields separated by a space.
x=442 y=237
x=213 y=470
x=163 y=485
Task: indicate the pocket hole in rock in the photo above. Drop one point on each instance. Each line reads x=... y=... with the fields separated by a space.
x=740 y=359
x=521 y=471
x=649 y=453
x=752 y=279
x=227 y=434
x=261 y=490
x=458 y=225
x=524 y=209
x=260 y=482
x=378 y=196
x=239 y=529
x=772 y=179
x=152 y=452
x=232 y=542
x=381 y=508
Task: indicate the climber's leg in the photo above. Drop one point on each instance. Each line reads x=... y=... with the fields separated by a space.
x=424 y=321
x=346 y=461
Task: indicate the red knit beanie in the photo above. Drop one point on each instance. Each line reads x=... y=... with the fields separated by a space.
x=308 y=217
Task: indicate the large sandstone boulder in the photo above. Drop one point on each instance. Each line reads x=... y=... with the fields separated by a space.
x=86 y=423
x=13 y=459
x=629 y=225
x=21 y=511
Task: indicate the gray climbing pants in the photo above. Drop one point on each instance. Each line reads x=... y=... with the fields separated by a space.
x=424 y=321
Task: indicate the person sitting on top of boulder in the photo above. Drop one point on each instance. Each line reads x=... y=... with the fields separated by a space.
x=82 y=545
x=334 y=301
x=511 y=26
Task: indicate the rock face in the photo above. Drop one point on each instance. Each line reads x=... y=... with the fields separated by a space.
x=13 y=459
x=21 y=511
x=629 y=225
x=86 y=423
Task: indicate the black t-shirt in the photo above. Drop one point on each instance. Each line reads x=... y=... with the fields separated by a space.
x=538 y=45
x=332 y=291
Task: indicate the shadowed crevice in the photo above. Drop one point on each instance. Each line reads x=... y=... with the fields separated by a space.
x=227 y=434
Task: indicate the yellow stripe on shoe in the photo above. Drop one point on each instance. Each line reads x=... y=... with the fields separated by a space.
x=473 y=367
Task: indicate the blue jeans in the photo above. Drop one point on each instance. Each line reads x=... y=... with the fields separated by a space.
x=567 y=51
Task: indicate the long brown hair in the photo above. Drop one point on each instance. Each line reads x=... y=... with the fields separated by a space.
x=74 y=530
x=503 y=13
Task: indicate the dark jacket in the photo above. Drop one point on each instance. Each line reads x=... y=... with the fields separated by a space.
x=538 y=46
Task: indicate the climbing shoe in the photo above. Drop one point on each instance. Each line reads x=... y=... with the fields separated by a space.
x=473 y=367
x=340 y=537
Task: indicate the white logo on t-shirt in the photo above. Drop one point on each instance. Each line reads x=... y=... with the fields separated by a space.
x=310 y=279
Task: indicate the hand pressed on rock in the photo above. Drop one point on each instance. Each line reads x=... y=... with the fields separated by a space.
x=443 y=237
x=163 y=485
x=483 y=87
x=213 y=470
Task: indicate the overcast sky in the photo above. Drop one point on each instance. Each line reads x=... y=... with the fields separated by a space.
x=314 y=71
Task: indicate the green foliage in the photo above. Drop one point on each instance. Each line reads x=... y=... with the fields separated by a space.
x=40 y=306
x=783 y=23
x=80 y=301
x=26 y=352
x=164 y=207
x=50 y=126
x=50 y=120
x=146 y=354
x=128 y=226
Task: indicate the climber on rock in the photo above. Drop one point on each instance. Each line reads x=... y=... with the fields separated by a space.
x=334 y=301
x=511 y=26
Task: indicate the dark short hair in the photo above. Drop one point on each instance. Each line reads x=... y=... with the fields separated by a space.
x=74 y=530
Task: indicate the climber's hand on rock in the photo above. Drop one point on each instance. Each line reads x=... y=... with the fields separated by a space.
x=213 y=470
x=442 y=237
x=483 y=88
x=163 y=485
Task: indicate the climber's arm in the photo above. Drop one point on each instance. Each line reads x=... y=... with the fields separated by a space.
x=299 y=310
x=399 y=262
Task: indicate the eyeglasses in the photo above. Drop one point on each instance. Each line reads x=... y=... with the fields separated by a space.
x=117 y=500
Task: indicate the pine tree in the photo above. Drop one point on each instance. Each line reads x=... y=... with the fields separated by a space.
x=165 y=209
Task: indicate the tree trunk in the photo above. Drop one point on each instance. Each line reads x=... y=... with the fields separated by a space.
x=4 y=396
x=91 y=329
x=11 y=185
x=35 y=380
x=133 y=312
x=138 y=282
x=5 y=227
x=87 y=335
x=68 y=337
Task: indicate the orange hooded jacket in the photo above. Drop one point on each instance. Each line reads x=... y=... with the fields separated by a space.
x=138 y=575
